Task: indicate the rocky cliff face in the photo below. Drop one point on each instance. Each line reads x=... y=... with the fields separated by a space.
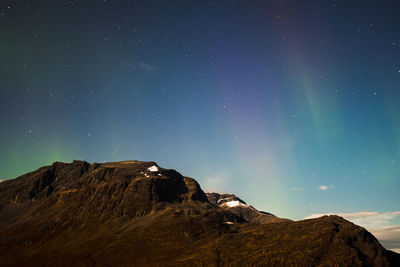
x=137 y=213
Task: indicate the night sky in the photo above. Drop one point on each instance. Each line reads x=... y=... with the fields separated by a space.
x=292 y=105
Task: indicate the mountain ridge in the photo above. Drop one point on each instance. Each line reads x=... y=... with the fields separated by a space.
x=134 y=212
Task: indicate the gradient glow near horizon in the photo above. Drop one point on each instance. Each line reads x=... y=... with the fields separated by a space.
x=292 y=105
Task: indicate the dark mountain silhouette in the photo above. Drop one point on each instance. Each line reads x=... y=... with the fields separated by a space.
x=136 y=213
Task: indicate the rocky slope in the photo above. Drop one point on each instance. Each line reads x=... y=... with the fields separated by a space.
x=240 y=208
x=136 y=213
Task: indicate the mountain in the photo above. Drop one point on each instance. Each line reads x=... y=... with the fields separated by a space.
x=137 y=213
x=240 y=208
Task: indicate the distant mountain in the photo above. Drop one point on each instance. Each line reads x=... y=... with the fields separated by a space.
x=240 y=208
x=139 y=214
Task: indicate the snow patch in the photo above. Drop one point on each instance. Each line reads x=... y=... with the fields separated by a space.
x=153 y=168
x=234 y=203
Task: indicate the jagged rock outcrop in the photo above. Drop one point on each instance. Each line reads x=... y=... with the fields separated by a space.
x=137 y=213
x=220 y=199
x=241 y=209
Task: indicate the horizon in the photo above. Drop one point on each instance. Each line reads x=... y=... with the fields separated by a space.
x=292 y=106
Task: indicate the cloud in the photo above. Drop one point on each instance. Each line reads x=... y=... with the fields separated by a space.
x=388 y=232
x=297 y=189
x=378 y=223
x=325 y=187
x=367 y=219
x=396 y=250
x=389 y=236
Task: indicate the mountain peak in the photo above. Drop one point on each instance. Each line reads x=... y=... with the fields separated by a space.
x=239 y=207
x=221 y=199
x=127 y=188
